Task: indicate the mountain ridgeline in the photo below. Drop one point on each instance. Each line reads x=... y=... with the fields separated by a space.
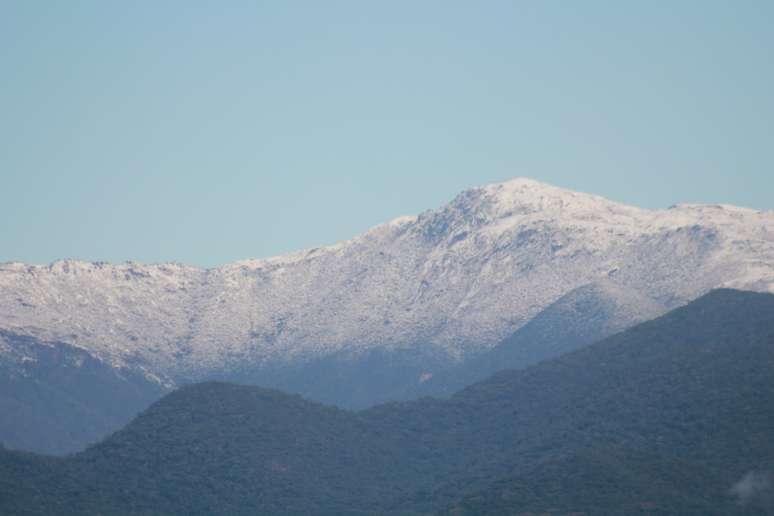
x=409 y=308
x=672 y=416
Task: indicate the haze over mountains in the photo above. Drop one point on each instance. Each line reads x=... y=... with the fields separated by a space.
x=372 y=318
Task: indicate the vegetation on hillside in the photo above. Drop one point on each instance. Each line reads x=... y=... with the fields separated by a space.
x=661 y=419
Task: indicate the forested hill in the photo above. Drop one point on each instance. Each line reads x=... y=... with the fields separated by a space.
x=673 y=416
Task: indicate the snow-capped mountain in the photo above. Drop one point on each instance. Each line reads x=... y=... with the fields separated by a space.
x=454 y=281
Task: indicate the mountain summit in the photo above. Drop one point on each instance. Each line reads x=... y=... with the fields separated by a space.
x=432 y=289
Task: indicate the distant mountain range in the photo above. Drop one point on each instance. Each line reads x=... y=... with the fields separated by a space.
x=408 y=308
x=672 y=416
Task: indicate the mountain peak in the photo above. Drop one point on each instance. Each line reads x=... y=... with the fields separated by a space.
x=526 y=192
x=457 y=279
x=521 y=182
x=519 y=200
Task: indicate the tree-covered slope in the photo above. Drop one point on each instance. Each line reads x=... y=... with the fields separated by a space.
x=607 y=480
x=664 y=418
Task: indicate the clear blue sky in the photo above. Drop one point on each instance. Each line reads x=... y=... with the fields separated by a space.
x=205 y=132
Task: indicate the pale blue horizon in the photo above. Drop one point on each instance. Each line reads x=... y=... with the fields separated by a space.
x=205 y=134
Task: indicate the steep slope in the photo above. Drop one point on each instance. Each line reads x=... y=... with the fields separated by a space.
x=56 y=398
x=581 y=317
x=664 y=418
x=693 y=385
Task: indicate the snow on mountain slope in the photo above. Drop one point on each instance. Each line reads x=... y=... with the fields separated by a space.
x=57 y=398
x=456 y=280
x=579 y=318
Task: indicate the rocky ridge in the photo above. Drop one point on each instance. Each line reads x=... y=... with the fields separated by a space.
x=455 y=281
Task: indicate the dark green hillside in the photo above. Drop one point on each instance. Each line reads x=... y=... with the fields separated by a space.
x=695 y=385
x=609 y=480
x=661 y=419
x=696 y=382
x=223 y=448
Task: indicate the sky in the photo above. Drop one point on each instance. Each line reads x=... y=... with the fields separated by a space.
x=208 y=132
